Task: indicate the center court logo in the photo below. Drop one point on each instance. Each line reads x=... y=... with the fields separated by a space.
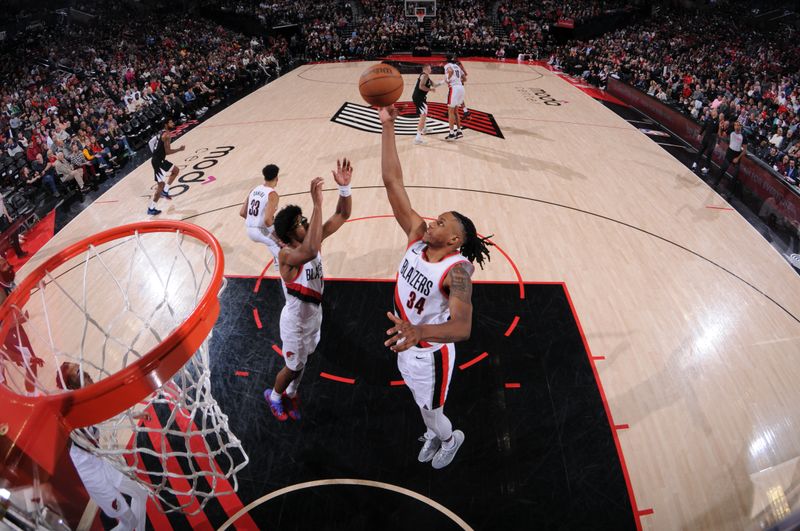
x=365 y=118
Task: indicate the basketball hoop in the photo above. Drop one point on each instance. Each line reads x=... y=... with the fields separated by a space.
x=133 y=308
x=420 y=13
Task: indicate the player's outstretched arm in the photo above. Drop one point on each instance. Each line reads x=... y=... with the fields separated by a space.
x=404 y=335
x=411 y=222
x=297 y=256
x=342 y=175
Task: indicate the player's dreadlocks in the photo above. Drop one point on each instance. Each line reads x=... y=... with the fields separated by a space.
x=475 y=248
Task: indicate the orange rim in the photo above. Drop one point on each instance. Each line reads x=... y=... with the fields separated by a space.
x=115 y=393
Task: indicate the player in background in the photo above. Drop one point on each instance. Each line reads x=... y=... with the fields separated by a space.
x=303 y=282
x=455 y=96
x=165 y=171
x=259 y=210
x=433 y=298
x=104 y=483
x=420 y=98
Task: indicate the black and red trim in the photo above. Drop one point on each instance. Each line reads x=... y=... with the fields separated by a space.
x=441 y=374
x=303 y=293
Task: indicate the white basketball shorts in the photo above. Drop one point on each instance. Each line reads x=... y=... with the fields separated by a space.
x=300 y=336
x=428 y=374
x=456 y=96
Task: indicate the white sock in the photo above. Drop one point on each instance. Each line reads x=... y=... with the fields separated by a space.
x=275 y=397
x=152 y=204
x=166 y=187
x=449 y=444
x=291 y=389
x=465 y=109
x=419 y=136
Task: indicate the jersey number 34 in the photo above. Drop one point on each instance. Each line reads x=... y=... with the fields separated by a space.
x=419 y=305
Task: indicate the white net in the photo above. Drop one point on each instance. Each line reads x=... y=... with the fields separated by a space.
x=100 y=312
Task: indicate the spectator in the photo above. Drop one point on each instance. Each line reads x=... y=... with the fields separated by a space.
x=44 y=171
x=68 y=172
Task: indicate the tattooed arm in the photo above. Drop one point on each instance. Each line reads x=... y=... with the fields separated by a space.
x=458 y=328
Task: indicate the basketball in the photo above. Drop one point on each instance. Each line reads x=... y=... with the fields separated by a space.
x=381 y=85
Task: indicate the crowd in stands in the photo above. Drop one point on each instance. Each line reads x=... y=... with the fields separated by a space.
x=702 y=61
x=464 y=27
x=73 y=95
x=382 y=29
x=70 y=93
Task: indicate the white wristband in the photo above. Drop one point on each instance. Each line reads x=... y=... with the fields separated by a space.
x=344 y=191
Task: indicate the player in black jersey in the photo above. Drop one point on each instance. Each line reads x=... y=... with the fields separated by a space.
x=420 y=99
x=165 y=171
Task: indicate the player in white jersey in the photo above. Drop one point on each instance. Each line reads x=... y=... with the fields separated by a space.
x=303 y=281
x=259 y=210
x=104 y=483
x=454 y=77
x=434 y=300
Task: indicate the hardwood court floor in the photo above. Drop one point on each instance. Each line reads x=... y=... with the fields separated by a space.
x=691 y=316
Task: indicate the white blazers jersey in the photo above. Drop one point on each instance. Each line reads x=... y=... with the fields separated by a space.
x=307 y=286
x=419 y=295
x=256 y=204
x=455 y=79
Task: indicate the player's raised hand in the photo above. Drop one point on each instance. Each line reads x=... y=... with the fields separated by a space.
x=404 y=334
x=388 y=114
x=316 y=190
x=343 y=172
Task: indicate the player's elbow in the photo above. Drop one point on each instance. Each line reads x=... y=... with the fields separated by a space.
x=463 y=330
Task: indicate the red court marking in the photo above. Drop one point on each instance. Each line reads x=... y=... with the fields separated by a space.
x=513 y=326
x=614 y=434
x=277 y=349
x=598 y=358
x=210 y=179
x=242 y=373
x=158 y=519
x=338 y=378
x=263 y=272
x=621 y=426
x=513 y=385
x=718 y=207
x=395 y=383
x=645 y=512
x=473 y=361
x=231 y=503
x=179 y=483
x=35 y=239
x=256 y=317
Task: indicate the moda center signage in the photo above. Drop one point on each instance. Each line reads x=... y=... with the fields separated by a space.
x=198 y=163
x=539 y=96
x=365 y=118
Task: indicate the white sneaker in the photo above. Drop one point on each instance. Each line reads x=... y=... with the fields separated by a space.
x=429 y=449
x=704 y=170
x=418 y=141
x=694 y=165
x=444 y=456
